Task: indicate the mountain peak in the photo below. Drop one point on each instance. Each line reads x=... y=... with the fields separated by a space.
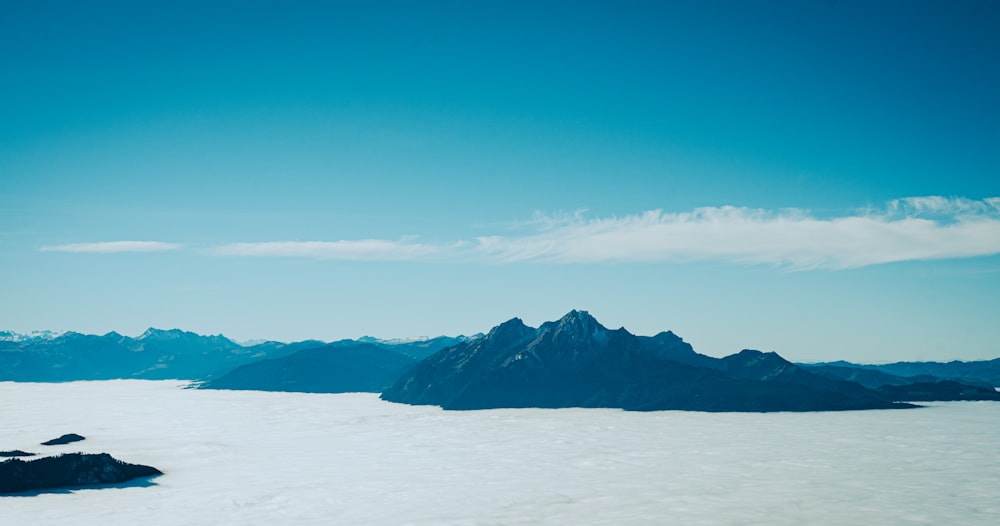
x=512 y=326
x=755 y=355
x=577 y=316
x=152 y=332
x=577 y=325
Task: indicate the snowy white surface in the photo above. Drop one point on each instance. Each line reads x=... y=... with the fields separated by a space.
x=11 y=336
x=234 y=457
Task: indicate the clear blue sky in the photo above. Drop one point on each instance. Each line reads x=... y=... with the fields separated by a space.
x=819 y=179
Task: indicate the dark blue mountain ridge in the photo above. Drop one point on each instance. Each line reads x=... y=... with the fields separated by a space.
x=982 y=373
x=334 y=368
x=577 y=362
x=418 y=349
x=586 y=363
x=939 y=390
x=70 y=470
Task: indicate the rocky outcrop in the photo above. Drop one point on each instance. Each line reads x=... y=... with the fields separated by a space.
x=16 y=453
x=65 y=439
x=73 y=470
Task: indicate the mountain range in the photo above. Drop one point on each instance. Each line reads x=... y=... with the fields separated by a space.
x=577 y=362
x=985 y=373
x=574 y=361
x=157 y=354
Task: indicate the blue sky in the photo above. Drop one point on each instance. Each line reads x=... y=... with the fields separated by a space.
x=819 y=179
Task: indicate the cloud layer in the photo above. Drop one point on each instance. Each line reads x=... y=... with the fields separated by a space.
x=913 y=228
x=113 y=247
x=920 y=228
x=358 y=250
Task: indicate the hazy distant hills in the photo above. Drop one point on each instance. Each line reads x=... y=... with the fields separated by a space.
x=571 y=362
x=156 y=354
x=164 y=354
x=335 y=368
x=939 y=390
x=418 y=349
x=984 y=373
x=363 y=365
x=577 y=362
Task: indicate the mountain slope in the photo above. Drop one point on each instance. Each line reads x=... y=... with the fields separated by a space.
x=416 y=349
x=328 y=369
x=576 y=362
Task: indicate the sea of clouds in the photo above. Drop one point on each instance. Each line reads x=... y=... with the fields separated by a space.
x=237 y=457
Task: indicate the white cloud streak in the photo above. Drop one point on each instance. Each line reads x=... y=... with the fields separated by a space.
x=110 y=247
x=350 y=250
x=916 y=228
x=907 y=229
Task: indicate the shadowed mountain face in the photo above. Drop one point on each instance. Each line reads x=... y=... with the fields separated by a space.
x=334 y=368
x=577 y=362
x=416 y=349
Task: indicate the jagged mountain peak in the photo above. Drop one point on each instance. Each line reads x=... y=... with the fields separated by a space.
x=154 y=333
x=578 y=317
x=577 y=325
x=666 y=335
x=511 y=327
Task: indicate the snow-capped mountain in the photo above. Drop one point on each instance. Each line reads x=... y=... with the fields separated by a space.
x=10 y=336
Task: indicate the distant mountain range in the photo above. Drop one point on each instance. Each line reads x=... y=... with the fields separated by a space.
x=10 y=336
x=158 y=354
x=574 y=361
x=984 y=373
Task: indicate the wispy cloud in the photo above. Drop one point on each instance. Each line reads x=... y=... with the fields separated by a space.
x=916 y=228
x=109 y=247
x=912 y=228
x=352 y=250
x=943 y=206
